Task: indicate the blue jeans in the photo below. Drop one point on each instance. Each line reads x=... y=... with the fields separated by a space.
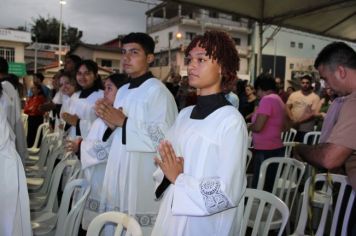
x=258 y=157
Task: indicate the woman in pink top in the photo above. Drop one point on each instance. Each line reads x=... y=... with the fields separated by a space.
x=267 y=125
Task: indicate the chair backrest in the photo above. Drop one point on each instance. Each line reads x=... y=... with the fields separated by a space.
x=288 y=136
x=312 y=138
x=289 y=174
x=131 y=225
x=24 y=121
x=267 y=206
x=55 y=182
x=57 y=154
x=42 y=129
x=288 y=148
x=342 y=194
x=248 y=159
x=68 y=222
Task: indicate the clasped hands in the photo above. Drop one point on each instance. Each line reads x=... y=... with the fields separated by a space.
x=69 y=118
x=170 y=164
x=111 y=116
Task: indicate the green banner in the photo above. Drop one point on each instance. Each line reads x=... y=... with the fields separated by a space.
x=18 y=69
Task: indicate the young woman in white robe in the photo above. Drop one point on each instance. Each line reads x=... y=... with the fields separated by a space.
x=14 y=200
x=94 y=149
x=201 y=172
x=81 y=112
x=143 y=111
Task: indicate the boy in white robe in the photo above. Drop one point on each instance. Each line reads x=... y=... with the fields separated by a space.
x=201 y=171
x=143 y=110
x=14 y=201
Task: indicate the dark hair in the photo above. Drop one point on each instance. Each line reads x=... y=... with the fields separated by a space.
x=118 y=79
x=265 y=82
x=93 y=67
x=336 y=53
x=4 y=66
x=308 y=77
x=40 y=89
x=39 y=76
x=220 y=47
x=12 y=79
x=143 y=39
x=75 y=59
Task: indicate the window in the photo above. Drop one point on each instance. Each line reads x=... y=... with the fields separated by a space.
x=313 y=46
x=213 y=14
x=291 y=66
x=237 y=41
x=292 y=44
x=156 y=39
x=7 y=53
x=170 y=35
x=106 y=63
x=300 y=45
x=236 y=18
x=190 y=35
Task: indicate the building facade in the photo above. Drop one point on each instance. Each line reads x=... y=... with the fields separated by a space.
x=173 y=26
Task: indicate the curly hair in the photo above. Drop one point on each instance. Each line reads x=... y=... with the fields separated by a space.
x=220 y=47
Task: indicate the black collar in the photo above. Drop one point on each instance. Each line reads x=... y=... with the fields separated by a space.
x=136 y=82
x=207 y=105
x=86 y=92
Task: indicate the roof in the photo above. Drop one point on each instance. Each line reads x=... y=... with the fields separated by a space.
x=331 y=18
x=100 y=47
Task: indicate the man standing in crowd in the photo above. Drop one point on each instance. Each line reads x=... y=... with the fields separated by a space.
x=301 y=102
x=143 y=111
x=336 y=64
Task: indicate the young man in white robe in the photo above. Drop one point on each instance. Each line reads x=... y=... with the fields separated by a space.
x=201 y=171
x=143 y=111
x=14 y=201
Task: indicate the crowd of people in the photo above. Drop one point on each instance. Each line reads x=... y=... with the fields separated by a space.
x=177 y=174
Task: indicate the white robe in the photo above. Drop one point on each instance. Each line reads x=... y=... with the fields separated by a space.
x=93 y=155
x=14 y=201
x=84 y=109
x=128 y=184
x=206 y=197
x=15 y=120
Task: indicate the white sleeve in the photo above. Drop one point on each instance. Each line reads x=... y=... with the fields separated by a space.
x=144 y=134
x=222 y=190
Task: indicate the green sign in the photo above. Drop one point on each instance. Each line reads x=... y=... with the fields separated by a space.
x=18 y=69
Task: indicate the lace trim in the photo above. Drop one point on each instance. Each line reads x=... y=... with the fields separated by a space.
x=215 y=200
x=155 y=133
x=100 y=151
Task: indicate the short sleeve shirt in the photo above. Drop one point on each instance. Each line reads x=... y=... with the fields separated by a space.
x=343 y=134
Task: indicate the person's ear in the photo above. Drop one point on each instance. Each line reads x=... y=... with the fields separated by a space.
x=341 y=71
x=150 y=58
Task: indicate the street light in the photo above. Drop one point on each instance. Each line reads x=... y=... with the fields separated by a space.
x=61 y=2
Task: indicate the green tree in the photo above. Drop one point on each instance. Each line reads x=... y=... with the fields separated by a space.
x=46 y=30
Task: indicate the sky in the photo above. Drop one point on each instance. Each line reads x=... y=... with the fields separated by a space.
x=100 y=20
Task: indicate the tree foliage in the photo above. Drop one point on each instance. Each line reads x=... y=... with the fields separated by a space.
x=46 y=30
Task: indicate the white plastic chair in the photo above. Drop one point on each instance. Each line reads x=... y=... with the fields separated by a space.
x=288 y=136
x=24 y=122
x=268 y=207
x=45 y=202
x=248 y=159
x=288 y=177
x=342 y=184
x=122 y=220
x=42 y=129
x=310 y=138
x=64 y=222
